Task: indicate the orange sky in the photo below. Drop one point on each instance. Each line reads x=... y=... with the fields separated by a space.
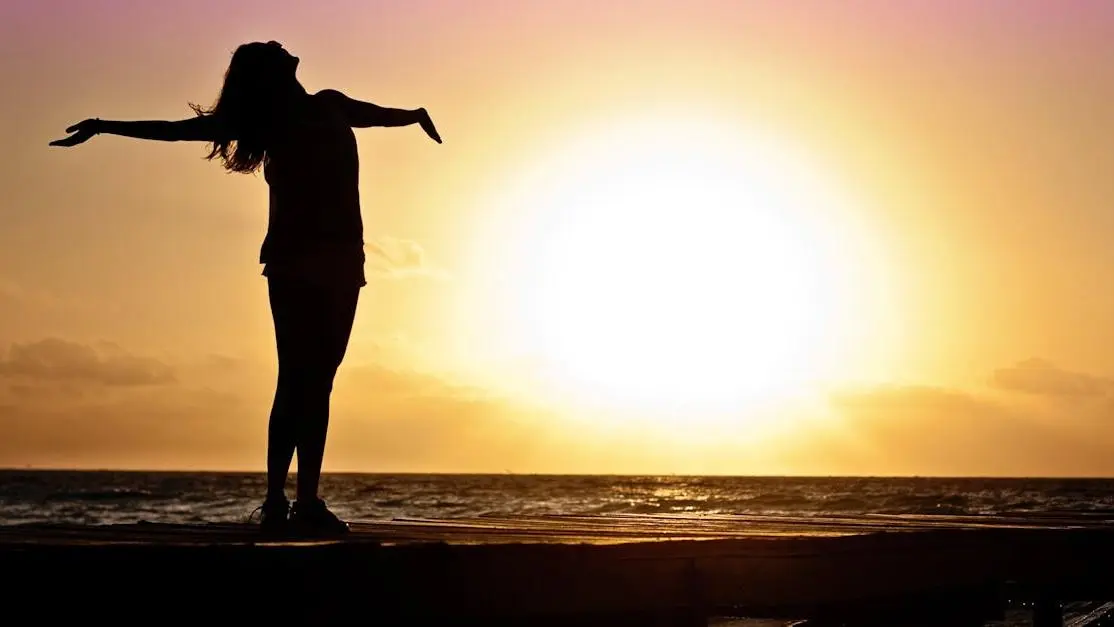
x=923 y=205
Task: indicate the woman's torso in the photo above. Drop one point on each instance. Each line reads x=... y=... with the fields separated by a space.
x=314 y=225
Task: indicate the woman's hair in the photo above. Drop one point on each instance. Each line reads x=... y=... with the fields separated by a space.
x=246 y=106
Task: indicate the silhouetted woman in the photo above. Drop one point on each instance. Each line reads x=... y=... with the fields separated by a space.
x=312 y=254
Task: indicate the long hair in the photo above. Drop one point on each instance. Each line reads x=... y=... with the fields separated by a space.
x=247 y=105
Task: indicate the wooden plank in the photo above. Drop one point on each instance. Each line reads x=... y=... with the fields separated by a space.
x=536 y=569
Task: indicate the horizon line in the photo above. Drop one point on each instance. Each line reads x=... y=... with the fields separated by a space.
x=7 y=469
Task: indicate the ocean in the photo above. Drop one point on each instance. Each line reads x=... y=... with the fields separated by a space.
x=104 y=497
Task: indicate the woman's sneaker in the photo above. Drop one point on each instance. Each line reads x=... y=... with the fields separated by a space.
x=315 y=520
x=274 y=517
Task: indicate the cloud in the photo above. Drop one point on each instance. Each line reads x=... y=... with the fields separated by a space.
x=401 y=418
x=393 y=258
x=215 y=415
x=16 y=295
x=70 y=404
x=907 y=398
x=58 y=360
x=915 y=429
x=402 y=383
x=1039 y=377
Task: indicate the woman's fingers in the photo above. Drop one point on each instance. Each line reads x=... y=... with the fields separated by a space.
x=427 y=125
x=72 y=140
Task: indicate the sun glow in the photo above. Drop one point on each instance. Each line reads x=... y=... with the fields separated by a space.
x=680 y=267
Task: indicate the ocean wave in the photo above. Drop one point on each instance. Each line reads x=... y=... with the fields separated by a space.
x=107 y=495
x=100 y=497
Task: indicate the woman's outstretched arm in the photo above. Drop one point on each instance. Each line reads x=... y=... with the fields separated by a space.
x=201 y=128
x=362 y=114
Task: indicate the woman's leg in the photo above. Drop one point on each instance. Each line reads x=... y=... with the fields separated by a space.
x=335 y=312
x=288 y=313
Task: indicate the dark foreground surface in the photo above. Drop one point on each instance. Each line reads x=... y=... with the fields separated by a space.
x=560 y=571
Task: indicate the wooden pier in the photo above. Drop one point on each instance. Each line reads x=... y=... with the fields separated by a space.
x=620 y=570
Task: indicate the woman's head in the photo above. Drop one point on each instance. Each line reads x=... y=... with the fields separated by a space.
x=263 y=65
x=259 y=78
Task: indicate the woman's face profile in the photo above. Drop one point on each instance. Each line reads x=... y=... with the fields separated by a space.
x=282 y=56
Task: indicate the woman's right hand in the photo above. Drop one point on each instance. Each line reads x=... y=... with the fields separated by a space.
x=82 y=131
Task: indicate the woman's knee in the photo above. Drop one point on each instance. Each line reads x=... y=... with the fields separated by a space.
x=303 y=381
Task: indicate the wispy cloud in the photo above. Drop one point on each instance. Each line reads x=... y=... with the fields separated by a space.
x=17 y=295
x=384 y=416
x=55 y=359
x=394 y=258
x=1040 y=377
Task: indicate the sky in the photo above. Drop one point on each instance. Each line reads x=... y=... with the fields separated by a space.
x=762 y=237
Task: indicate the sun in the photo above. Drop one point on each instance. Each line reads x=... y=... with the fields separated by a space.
x=680 y=266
